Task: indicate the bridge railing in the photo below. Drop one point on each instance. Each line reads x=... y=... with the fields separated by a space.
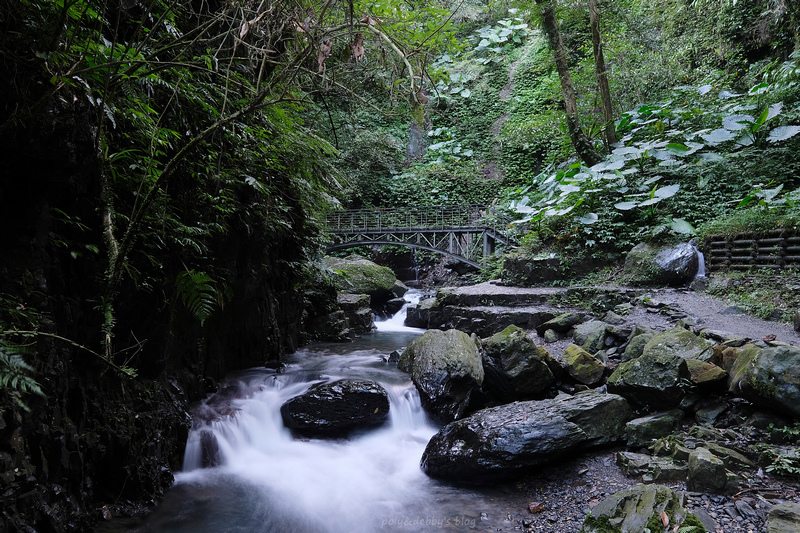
x=430 y=218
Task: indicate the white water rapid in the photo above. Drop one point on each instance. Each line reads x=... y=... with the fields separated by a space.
x=267 y=481
x=397 y=322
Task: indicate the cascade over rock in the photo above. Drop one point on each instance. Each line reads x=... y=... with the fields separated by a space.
x=337 y=409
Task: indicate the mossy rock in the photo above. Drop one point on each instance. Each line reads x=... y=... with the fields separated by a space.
x=357 y=275
x=560 y=324
x=446 y=369
x=583 y=366
x=769 y=377
x=680 y=342
x=516 y=368
x=653 y=381
x=639 y=508
x=706 y=375
x=649 y=265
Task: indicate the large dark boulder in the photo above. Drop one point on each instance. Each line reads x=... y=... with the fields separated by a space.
x=671 y=265
x=652 y=381
x=516 y=368
x=769 y=377
x=504 y=442
x=446 y=368
x=357 y=309
x=357 y=275
x=427 y=314
x=337 y=409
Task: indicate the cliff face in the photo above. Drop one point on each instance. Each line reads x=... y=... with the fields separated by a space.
x=99 y=440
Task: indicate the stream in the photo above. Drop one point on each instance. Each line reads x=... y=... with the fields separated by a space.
x=268 y=481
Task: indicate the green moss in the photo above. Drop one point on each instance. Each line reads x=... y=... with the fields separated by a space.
x=692 y=520
x=600 y=524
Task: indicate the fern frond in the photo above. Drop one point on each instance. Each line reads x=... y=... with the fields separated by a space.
x=198 y=292
x=14 y=374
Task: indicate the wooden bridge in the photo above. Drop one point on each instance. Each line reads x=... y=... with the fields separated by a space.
x=469 y=233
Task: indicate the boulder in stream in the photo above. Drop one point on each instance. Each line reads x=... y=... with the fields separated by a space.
x=337 y=409
x=446 y=369
x=357 y=275
x=504 y=442
x=516 y=368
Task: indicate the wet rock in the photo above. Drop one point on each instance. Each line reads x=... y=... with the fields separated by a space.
x=394 y=305
x=523 y=270
x=506 y=441
x=636 y=346
x=613 y=318
x=769 y=377
x=709 y=411
x=731 y=458
x=446 y=369
x=784 y=518
x=337 y=409
x=560 y=324
x=706 y=375
x=426 y=314
x=707 y=473
x=515 y=367
x=551 y=336
x=582 y=366
x=399 y=289
x=639 y=508
x=209 y=447
x=653 y=381
x=333 y=326
x=650 y=265
x=643 y=431
x=591 y=335
x=680 y=342
x=651 y=469
x=357 y=310
x=487 y=320
x=357 y=275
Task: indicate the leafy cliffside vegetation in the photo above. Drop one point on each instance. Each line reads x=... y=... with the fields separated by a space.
x=161 y=207
x=698 y=89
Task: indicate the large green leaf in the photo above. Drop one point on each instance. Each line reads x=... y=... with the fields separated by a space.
x=679 y=225
x=667 y=191
x=588 y=218
x=718 y=136
x=626 y=206
x=782 y=133
x=737 y=122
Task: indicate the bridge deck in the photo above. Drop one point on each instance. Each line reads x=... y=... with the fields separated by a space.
x=443 y=218
x=467 y=232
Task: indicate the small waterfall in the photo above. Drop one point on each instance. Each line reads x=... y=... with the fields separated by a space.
x=397 y=322
x=309 y=485
x=701 y=263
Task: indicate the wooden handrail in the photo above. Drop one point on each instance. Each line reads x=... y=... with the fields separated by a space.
x=426 y=217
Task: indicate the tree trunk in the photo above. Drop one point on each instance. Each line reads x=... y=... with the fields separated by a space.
x=583 y=146
x=600 y=72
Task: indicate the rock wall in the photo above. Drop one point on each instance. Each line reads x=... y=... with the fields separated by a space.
x=99 y=443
